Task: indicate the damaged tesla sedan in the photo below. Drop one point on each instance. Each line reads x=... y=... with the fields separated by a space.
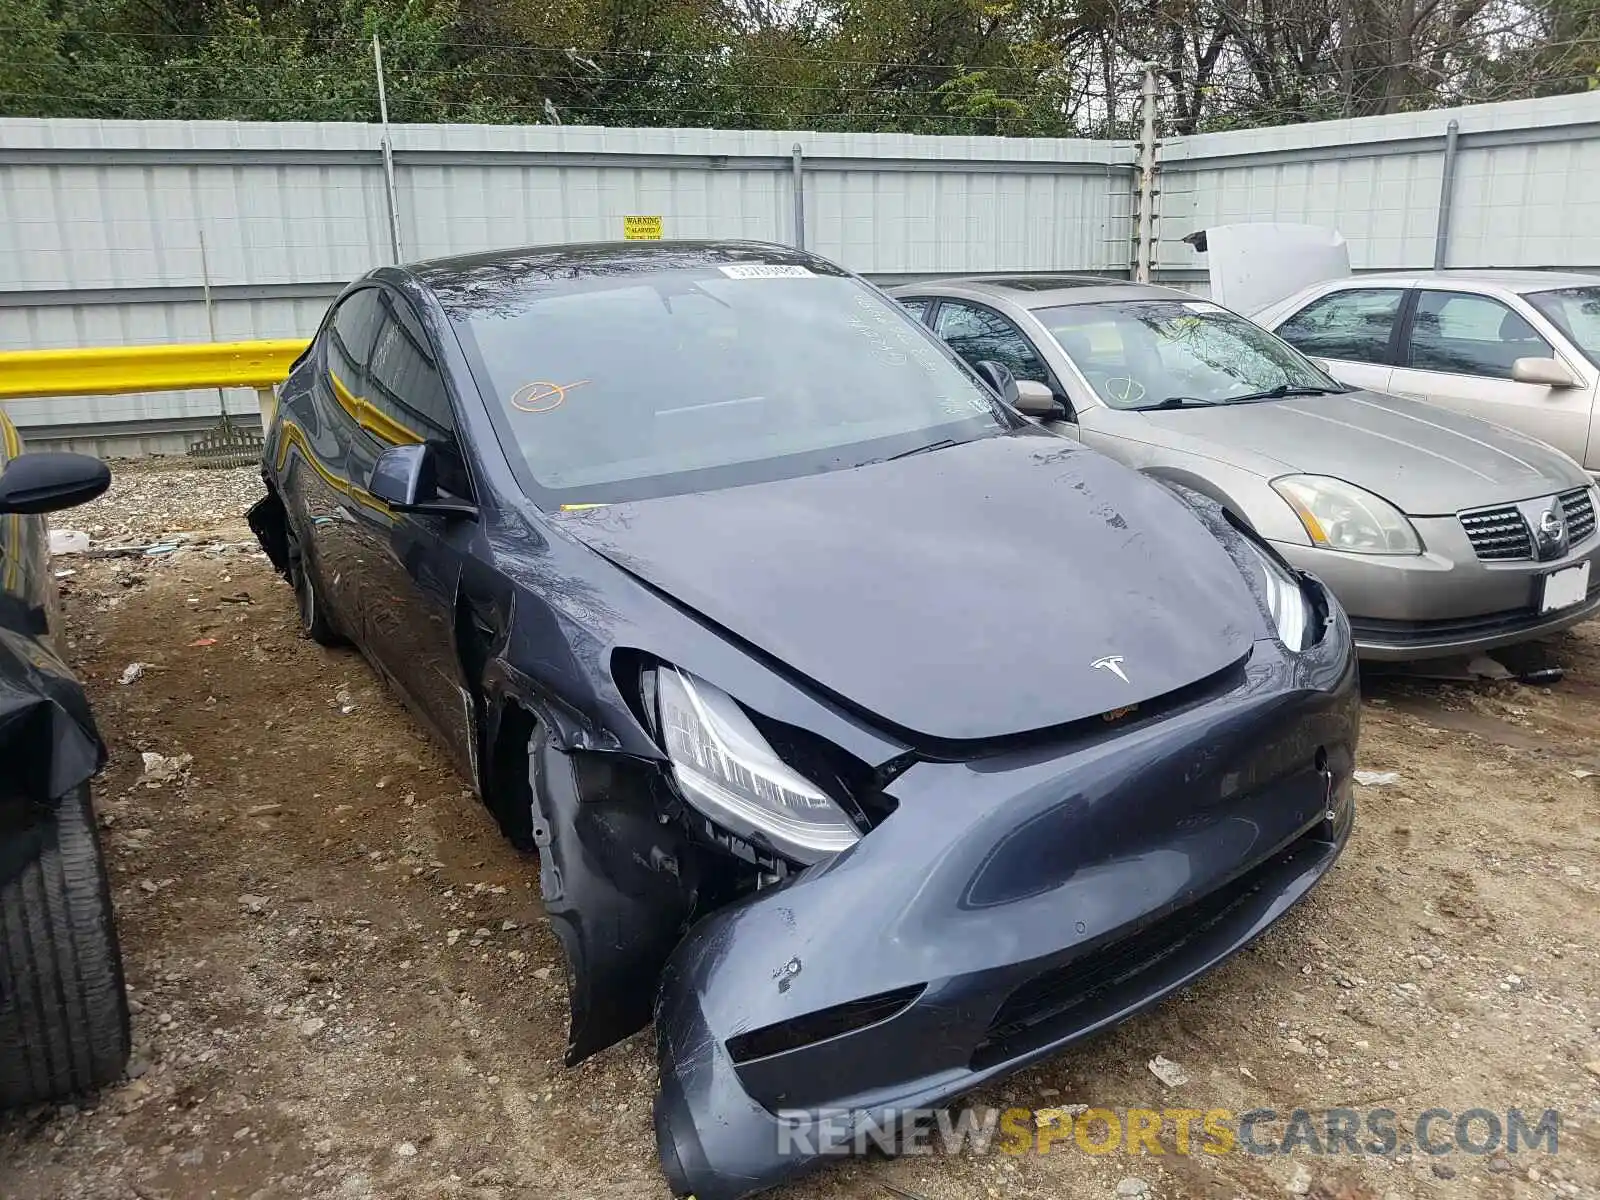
x=872 y=740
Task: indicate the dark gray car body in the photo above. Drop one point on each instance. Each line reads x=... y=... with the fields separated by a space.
x=1046 y=845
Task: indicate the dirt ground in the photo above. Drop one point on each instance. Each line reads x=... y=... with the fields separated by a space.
x=344 y=986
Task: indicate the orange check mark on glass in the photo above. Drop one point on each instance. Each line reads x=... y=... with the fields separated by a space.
x=542 y=396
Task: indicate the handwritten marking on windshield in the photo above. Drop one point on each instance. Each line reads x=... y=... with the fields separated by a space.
x=542 y=396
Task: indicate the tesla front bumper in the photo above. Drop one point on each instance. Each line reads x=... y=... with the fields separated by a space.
x=1012 y=905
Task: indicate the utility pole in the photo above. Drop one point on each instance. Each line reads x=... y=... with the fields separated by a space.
x=1144 y=252
x=388 y=153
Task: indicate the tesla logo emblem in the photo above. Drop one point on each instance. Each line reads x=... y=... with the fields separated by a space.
x=1112 y=663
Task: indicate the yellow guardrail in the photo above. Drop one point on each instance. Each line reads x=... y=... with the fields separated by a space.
x=119 y=370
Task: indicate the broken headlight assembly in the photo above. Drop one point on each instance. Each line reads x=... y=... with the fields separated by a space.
x=1286 y=601
x=728 y=772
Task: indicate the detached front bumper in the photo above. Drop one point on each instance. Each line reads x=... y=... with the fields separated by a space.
x=1012 y=905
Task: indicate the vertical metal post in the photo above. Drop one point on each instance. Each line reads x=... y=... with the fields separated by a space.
x=1447 y=190
x=388 y=152
x=1144 y=252
x=211 y=320
x=798 y=167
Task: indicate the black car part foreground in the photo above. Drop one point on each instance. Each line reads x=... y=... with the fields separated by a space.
x=873 y=740
x=63 y=1010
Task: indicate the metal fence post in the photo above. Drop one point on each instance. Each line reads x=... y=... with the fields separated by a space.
x=1447 y=188
x=388 y=153
x=798 y=167
x=1144 y=251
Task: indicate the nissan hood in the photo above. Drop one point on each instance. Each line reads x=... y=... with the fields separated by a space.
x=958 y=594
x=1425 y=460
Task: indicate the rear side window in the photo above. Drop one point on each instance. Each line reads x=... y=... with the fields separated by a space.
x=1464 y=334
x=351 y=336
x=1355 y=325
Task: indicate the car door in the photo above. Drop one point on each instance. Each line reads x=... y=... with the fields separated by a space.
x=1457 y=350
x=321 y=410
x=1352 y=330
x=410 y=563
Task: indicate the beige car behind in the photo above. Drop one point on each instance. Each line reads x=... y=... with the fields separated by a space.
x=1519 y=348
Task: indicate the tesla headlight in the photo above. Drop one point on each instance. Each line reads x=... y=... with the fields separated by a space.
x=726 y=769
x=1286 y=601
x=1340 y=516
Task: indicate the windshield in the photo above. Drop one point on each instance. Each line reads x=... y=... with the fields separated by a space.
x=635 y=386
x=1576 y=312
x=1153 y=353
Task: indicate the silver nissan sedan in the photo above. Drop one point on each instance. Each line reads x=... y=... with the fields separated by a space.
x=1441 y=534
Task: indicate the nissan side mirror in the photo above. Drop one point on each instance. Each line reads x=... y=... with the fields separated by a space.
x=1036 y=400
x=405 y=478
x=47 y=481
x=1548 y=371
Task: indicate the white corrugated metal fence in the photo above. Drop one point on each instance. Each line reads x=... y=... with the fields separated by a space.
x=101 y=223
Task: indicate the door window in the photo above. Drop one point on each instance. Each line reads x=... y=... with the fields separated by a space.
x=351 y=336
x=977 y=333
x=1465 y=334
x=1354 y=325
x=407 y=391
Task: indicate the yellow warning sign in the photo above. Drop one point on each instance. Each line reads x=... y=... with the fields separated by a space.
x=641 y=229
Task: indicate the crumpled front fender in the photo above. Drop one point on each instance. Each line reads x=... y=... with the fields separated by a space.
x=618 y=885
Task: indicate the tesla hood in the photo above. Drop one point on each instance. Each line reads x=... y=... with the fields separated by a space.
x=1426 y=460
x=964 y=593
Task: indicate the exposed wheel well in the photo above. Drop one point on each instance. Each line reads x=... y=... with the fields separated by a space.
x=508 y=793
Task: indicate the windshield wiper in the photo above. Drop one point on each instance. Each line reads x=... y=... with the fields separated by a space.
x=1177 y=402
x=1287 y=389
x=947 y=442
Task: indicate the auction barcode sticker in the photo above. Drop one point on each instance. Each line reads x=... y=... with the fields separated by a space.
x=763 y=271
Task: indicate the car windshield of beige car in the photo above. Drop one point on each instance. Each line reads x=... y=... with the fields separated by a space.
x=1151 y=354
x=645 y=385
x=1576 y=312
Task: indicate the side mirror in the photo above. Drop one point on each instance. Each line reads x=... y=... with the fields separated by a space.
x=404 y=478
x=1036 y=400
x=45 y=481
x=999 y=377
x=1548 y=371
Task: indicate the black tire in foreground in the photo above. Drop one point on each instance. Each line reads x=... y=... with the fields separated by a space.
x=63 y=1007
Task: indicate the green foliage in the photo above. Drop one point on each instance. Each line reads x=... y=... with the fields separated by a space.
x=1007 y=67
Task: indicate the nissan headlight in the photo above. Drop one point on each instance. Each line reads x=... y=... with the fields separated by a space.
x=726 y=770
x=1286 y=601
x=1340 y=516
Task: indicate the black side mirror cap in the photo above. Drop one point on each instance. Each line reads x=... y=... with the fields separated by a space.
x=404 y=478
x=47 y=481
x=999 y=377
